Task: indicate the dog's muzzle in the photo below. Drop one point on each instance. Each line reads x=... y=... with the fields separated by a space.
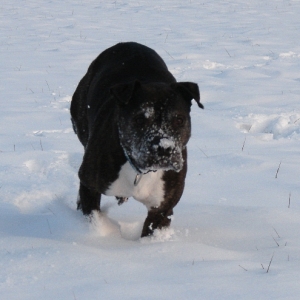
x=164 y=153
x=154 y=153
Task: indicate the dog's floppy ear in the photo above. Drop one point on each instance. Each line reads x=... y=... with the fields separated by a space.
x=189 y=90
x=123 y=92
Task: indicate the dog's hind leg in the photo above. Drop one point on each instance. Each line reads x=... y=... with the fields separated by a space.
x=88 y=200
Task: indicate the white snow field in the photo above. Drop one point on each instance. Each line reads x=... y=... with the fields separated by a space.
x=236 y=231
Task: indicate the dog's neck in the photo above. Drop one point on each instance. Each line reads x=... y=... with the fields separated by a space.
x=134 y=167
x=139 y=173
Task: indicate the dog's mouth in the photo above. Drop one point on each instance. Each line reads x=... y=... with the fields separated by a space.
x=164 y=165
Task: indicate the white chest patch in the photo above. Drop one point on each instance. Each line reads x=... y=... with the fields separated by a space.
x=149 y=190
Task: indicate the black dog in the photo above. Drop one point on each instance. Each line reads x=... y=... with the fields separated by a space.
x=132 y=118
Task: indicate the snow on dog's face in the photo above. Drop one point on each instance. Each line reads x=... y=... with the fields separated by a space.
x=154 y=123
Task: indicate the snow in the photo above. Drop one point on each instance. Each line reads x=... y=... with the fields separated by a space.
x=149 y=112
x=166 y=143
x=235 y=232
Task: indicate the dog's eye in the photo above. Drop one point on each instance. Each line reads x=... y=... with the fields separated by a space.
x=178 y=120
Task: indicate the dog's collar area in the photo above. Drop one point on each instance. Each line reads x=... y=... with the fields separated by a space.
x=139 y=174
x=137 y=179
x=134 y=167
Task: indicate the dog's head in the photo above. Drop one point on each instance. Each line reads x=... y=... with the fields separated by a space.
x=154 y=122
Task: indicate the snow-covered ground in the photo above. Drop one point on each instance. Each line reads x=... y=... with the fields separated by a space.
x=236 y=231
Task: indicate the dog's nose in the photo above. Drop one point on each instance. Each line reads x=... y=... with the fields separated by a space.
x=161 y=146
x=155 y=142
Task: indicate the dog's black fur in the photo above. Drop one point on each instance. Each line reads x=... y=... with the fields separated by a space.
x=110 y=115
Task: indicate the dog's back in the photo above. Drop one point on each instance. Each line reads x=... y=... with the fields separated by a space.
x=125 y=62
x=121 y=63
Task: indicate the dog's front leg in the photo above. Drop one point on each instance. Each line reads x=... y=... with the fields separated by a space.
x=88 y=200
x=156 y=219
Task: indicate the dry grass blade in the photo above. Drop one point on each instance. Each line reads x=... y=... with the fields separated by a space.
x=278 y=170
x=243 y=268
x=244 y=144
x=270 y=263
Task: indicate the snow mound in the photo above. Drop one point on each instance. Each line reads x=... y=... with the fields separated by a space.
x=102 y=225
x=289 y=54
x=274 y=126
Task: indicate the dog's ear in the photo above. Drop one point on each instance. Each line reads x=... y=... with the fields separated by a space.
x=189 y=91
x=123 y=92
